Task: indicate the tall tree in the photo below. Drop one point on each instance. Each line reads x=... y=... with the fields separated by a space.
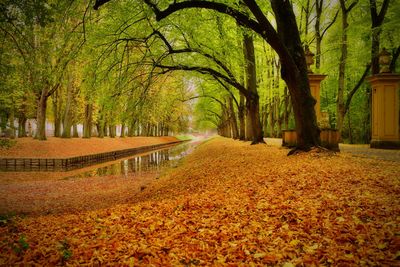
x=340 y=108
x=285 y=41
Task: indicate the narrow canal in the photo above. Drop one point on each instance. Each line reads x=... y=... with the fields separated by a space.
x=137 y=165
x=95 y=187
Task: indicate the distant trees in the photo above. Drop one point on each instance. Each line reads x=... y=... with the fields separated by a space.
x=53 y=57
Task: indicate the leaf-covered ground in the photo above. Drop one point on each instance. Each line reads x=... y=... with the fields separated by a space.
x=53 y=147
x=232 y=204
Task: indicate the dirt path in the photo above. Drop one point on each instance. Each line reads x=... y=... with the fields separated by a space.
x=363 y=151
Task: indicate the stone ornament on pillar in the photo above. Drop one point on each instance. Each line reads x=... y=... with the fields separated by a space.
x=385 y=105
x=309 y=58
x=384 y=61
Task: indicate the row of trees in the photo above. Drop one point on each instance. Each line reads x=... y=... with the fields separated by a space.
x=141 y=65
x=245 y=47
x=58 y=64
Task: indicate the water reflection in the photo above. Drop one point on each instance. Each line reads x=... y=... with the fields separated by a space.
x=138 y=165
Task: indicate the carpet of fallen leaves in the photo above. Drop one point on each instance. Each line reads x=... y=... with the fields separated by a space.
x=53 y=147
x=232 y=204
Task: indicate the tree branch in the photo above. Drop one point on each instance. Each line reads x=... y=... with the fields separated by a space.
x=330 y=24
x=355 y=89
x=205 y=70
x=382 y=13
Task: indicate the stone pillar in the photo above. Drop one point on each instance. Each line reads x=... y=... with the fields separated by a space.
x=315 y=87
x=329 y=137
x=385 y=110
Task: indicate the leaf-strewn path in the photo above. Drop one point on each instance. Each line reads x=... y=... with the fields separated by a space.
x=234 y=204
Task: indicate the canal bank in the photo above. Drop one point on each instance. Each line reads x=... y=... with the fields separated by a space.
x=68 y=154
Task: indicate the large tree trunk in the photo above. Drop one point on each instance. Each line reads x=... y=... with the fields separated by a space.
x=254 y=109
x=294 y=73
x=252 y=98
x=41 y=116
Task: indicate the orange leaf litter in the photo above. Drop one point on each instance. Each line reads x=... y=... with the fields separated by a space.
x=231 y=204
x=61 y=148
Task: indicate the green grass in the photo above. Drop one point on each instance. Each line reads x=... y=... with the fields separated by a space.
x=185 y=137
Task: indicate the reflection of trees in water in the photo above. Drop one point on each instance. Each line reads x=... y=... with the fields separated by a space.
x=140 y=164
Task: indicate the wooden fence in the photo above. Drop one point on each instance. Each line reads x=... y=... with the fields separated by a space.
x=67 y=164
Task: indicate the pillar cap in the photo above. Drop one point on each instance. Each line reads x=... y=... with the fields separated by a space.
x=388 y=77
x=316 y=77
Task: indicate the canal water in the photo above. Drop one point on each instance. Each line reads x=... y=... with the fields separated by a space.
x=139 y=164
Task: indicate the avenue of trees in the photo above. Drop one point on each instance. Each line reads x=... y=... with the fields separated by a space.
x=156 y=67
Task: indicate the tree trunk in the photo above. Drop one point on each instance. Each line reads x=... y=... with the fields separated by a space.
x=12 y=123
x=318 y=37
x=56 y=113
x=112 y=130
x=278 y=117
x=100 y=129
x=75 y=133
x=41 y=116
x=253 y=108
x=106 y=129
x=234 y=126
x=67 y=123
x=87 y=123
x=272 y=117
x=252 y=98
x=132 y=128
x=122 y=130
x=294 y=73
x=286 y=108
x=21 y=125
x=342 y=71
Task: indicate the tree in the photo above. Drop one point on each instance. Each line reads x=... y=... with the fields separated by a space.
x=48 y=38
x=340 y=111
x=285 y=41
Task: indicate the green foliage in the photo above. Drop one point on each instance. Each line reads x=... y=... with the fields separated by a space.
x=111 y=55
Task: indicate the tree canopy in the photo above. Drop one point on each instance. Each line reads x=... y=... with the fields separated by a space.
x=156 y=68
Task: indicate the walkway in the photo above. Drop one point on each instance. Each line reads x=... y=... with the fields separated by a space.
x=356 y=150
